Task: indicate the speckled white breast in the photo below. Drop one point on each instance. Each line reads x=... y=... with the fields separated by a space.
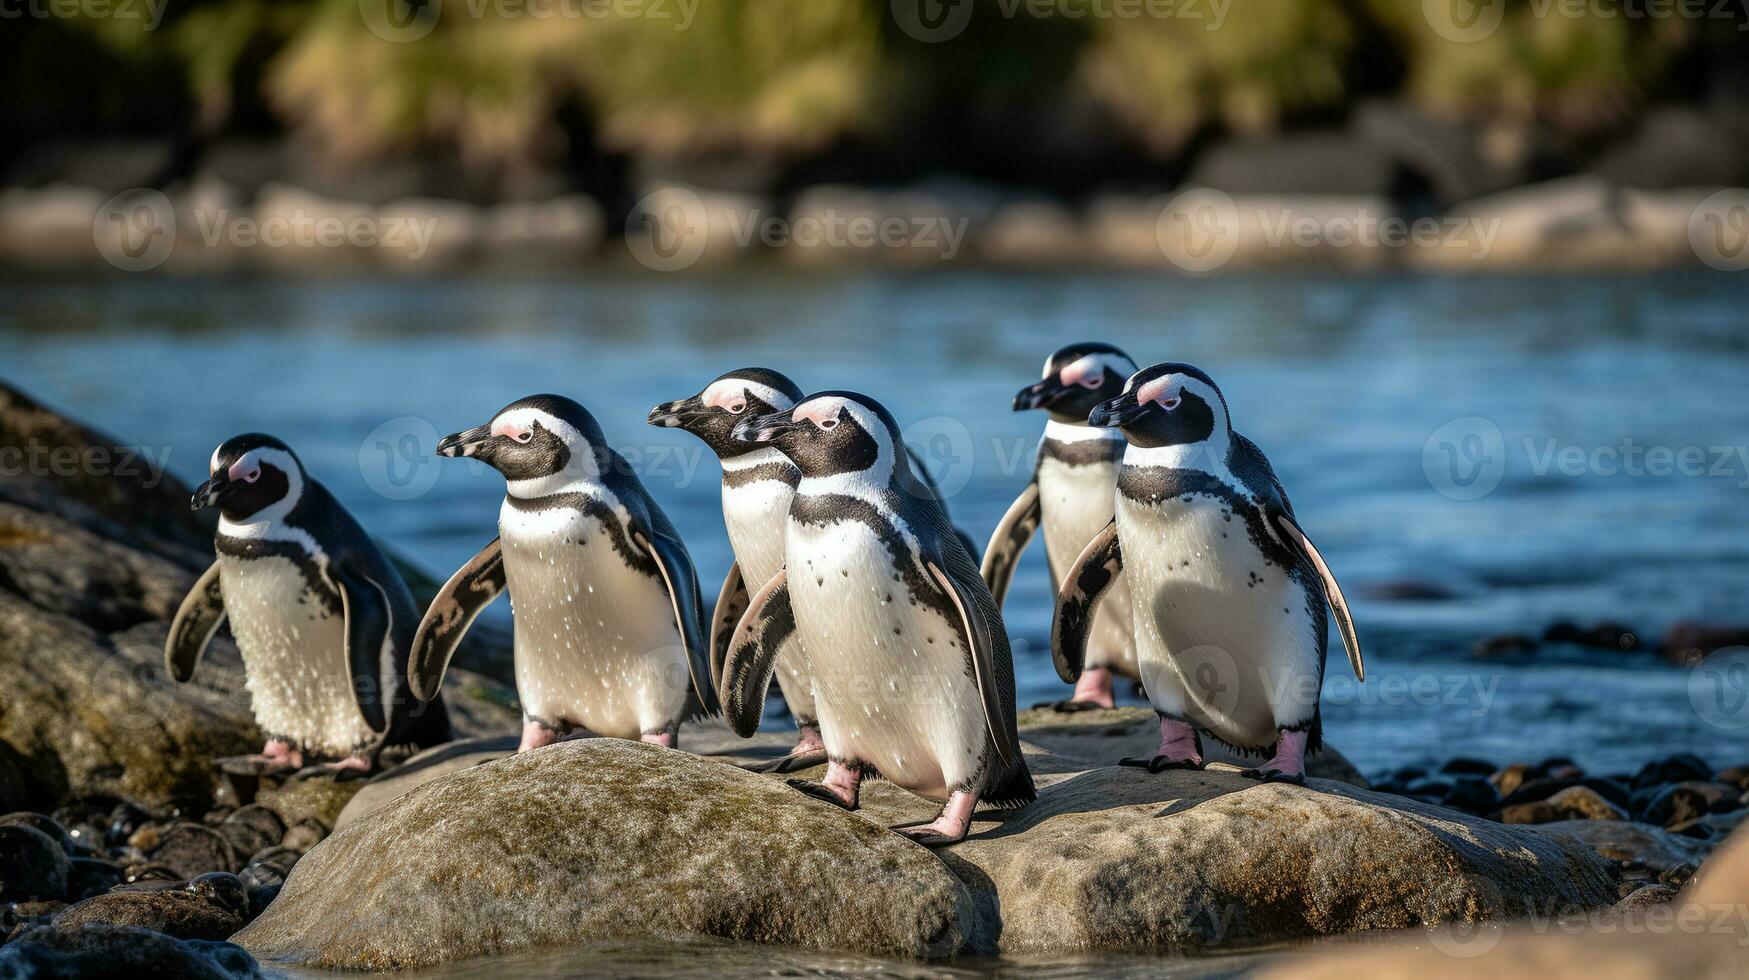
x=891 y=680
x=294 y=656
x=596 y=642
x=1223 y=637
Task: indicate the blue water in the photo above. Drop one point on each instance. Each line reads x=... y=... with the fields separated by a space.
x=1351 y=385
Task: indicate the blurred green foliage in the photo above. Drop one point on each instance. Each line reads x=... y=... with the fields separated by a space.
x=495 y=79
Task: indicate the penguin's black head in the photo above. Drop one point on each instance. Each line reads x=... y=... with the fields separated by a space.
x=248 y=474
x=713 y=413
x=1167 y=404
x=534 y=439
x=828 y=433
x=1076 y=378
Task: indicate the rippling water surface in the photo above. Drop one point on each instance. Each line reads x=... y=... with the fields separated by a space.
x=1461 y=449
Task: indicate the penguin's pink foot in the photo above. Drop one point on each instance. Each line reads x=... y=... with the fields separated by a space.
x=280 y=753
x=950 y=826
x=1288 y=765
x=1180 y=748
x=1094 y=688
x=536 y=735
x=667 y=740
x=841 y=787
x=346 y=770
x=809 y=751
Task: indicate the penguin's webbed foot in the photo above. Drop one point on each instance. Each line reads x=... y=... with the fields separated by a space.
x=1288 y=765
x=819 y=792
x=950 y=826
x=1161 y=763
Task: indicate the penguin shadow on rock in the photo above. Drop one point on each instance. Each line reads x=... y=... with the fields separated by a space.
x=321 y=617
x=608 y=632
x=758 y=485
x=1069 y=499
x=881 y=598
x=1205 y=543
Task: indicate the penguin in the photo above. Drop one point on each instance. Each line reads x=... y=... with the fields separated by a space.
x=1227 y=593
x=758 y=482
x=913 y=680
x=322 y=618
x=608 y=636
x=1071 y=496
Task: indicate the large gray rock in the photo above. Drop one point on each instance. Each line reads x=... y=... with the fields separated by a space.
x=1118 y=859
x=599 y=838
x=1107 y=859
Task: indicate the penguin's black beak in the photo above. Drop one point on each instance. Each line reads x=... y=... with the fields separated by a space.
x=1116 y=413
x=468 y=443
x=211 y=493
x=676 y=415
x=1040 y=394
x=776 y=428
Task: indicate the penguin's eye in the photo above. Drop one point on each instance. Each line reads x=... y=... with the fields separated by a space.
x=523 y=437
x=1092 y=382
x=736 y=408
x=829 y=424
x=252 y=475
x=1169 y=403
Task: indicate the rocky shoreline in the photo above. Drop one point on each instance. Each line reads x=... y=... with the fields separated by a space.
x=123 y=844
x=207 y=226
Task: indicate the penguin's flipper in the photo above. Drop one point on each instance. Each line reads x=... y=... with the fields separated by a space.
x=752 y=655
x=365 y=606
x=471 y=589
x=1332 y=592
x=977 y=640
x=1086 y=582
x=675 y=566
x=202 y=610
x=732 y=601
x=1010 y=538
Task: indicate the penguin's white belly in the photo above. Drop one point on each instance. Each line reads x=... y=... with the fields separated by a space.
x=892 y=681
x=1224 y=637
x=294 y=656
x=1076 y=503
x=596 y=642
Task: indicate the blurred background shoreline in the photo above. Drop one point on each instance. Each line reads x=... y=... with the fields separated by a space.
x=321 y=137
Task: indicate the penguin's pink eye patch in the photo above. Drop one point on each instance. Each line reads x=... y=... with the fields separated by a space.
x=822 y=415
x=1086 y=372
x=1160 y=390
x=729 y=400
x=511 y=430
x=245 y=469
